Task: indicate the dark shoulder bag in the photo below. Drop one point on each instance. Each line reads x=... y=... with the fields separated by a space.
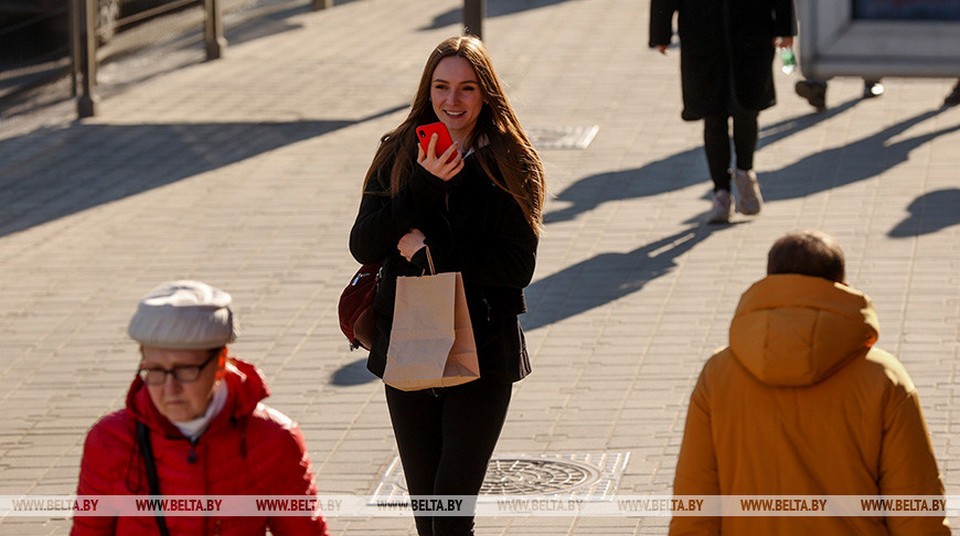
x=143 y=437
x=356 y=306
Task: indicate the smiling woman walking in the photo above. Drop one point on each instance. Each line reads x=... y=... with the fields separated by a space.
x=477 y=205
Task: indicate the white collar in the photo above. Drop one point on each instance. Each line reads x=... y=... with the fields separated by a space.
x=195 y=428
x=482 y=142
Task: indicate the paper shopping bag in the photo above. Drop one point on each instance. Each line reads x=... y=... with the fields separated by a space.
x=431 y=343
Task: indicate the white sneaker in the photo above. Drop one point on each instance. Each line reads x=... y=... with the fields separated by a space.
x=720 y=213
x=749 y=199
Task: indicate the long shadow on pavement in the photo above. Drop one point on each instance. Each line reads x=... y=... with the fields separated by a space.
x=607 y=277
x=674 y=172
x=840 y=166
x=52 y=173
x=929 y=213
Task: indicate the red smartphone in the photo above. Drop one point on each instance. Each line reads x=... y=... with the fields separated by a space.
x=444 y=141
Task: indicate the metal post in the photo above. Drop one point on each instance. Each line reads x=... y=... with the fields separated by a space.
x=75 y=11
x=319 y=5
x=473 y=14
x=87 y=102
x=213 y=29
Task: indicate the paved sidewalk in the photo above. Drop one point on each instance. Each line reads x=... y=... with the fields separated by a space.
x=245 y=172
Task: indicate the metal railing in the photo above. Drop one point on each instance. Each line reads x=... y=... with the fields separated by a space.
x=84 y=42
x=81 y=57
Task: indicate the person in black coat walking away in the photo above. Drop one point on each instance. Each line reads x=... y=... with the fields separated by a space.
x=726 y=71
x=479 y=207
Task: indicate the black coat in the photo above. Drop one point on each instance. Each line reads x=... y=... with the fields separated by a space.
x=473 y=227
x=726 y=47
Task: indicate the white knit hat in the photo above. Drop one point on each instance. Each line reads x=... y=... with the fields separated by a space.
x=184 y=315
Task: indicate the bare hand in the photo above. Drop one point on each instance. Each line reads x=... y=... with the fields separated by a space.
x=663 y=49
x=439 y=166
x=411 y=243
x=785 y=41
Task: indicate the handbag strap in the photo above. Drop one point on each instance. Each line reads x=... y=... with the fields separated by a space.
x=433 y=270
x=150 y=464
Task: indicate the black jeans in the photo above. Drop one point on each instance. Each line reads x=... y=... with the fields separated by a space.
x=446 y=438
x=716 y=142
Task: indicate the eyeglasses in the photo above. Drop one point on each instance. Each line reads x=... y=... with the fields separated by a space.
x=181 y=373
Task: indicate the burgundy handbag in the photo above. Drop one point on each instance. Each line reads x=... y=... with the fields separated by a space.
x=356 y=306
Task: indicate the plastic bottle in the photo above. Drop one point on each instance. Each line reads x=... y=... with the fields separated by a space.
x=789 y=60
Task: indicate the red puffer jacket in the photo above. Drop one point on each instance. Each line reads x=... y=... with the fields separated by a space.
x=248 y=449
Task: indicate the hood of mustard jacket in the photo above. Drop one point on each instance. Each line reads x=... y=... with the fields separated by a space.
x=801 y=403
x=794 y=330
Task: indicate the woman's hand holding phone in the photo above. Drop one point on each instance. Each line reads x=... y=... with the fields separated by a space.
x=434 y=138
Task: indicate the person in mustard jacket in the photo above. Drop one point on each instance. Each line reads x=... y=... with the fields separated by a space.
x=802 y=403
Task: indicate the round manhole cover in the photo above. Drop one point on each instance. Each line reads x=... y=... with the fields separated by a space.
x=517 y=476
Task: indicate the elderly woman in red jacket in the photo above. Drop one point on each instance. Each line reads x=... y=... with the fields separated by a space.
x=194 y=424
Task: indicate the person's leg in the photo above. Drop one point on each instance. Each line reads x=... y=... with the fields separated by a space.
x=473 y=416
x=716 y=143
x=417 y=424
x=745 y=132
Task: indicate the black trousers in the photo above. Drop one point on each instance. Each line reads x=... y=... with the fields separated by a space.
x=446 y=438
x=716 y=142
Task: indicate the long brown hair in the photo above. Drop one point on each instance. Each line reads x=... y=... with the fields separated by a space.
x=520 y=168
